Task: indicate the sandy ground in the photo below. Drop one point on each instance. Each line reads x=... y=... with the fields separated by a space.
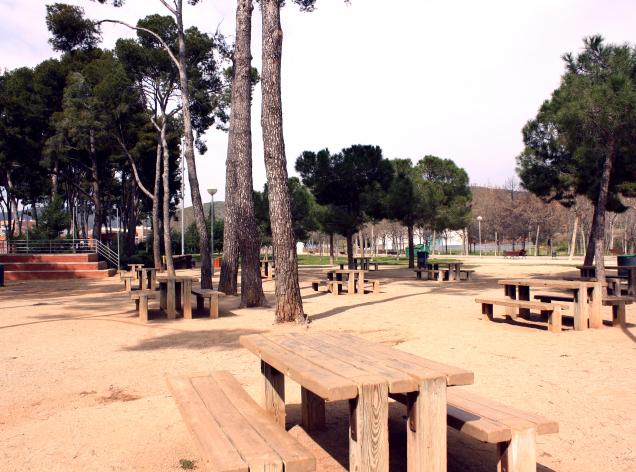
x=82 y=383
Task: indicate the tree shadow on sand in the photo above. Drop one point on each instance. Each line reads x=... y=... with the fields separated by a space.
x=221 y=340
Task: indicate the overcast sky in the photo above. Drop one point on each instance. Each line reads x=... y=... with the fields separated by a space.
x=455 y=78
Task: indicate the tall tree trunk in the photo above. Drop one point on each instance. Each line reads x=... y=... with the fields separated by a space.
x=599 y=213
x=289 y=306
x=54 y=177
x=240 y=155
x=409 y=230
x=156 y=224
x=591 y=241
x=166 y=200
x=536 y=244
x=349 y=237
x=195 y=194
x=95 y=186
x=573 y=239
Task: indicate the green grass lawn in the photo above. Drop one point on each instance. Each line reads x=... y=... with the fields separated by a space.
x=309 y=259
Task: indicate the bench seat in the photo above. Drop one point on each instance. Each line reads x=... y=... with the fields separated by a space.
x=335 y=286
x=618 y=304
x=550 y=297
x=554 y=311
x=466 y=272
x=141 y=298
x=233 y=433
x=435 y=273
x=212 y=295
x=373 y=284
x=512 y=430
x=317 y=283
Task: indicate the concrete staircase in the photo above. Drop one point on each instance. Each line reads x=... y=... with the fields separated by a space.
x=54 y=266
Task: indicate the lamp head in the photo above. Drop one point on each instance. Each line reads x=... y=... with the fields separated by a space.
x=479 y=218
x=212 y=189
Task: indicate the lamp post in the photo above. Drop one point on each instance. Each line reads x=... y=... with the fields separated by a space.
x=212 y=190
x=479 y=218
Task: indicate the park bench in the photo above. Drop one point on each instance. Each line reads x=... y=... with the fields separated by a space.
x=141 y=302
x=128 y=280
x=554 y=311
x=466 y=273
x=213 y=301
x=618 y=308
x=233 y=433
x=514 y=254
x=374 y=285
x=335 y=286
x=513 y=431
x=431 y=274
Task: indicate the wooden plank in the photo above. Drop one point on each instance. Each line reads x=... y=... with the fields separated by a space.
x=313 y=410
x=295 y=457
x=520 y=303
x=565 y=284
x=426 y=427
x=476 y=426
x=322 y=382
x=369 y=427
x=419 y=367
x=350 y=363
x=495 y=411
x=213 y=444
x=274 y=393
x=249 y=443
x=519 y=454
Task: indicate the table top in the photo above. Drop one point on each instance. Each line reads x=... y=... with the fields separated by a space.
x=445 y=263
x=555 y=283
x=177 y=278
x=149 y=269
x=610 y=267
x=135 y=266
x=346 y=271
x=332 y=364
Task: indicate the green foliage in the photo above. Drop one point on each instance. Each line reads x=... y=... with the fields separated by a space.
x=70 y=29
x=186 y=464
x=53 y=220
x=590 y=116
x=352 y=184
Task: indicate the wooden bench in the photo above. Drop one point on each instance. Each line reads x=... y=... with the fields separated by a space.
x=212 y=296
x=233 y=433
x=614 y=283
x=373 y=284
x=317 y=283
x=128 y=280
x=618 y=309
x=556 y=297
x=141 y=302
x=335 y=286
x=432 y=274
x=513 y=431
x=514 y=254
x=466 y=272
x=554 y=311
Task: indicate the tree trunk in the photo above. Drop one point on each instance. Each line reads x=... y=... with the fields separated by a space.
x=536 y=244
x=156 y=225
x=289 y=306
x=599 y=213
x=591 y=241
x=573 y=239
x=349 y=237
x=409 y=230
x=331 y=251
x=195 y=194
x=240 y=155
x=95 y=186
x=166 y=200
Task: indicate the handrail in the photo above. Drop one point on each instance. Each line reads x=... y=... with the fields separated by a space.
x=107 y=253
x=61 y=246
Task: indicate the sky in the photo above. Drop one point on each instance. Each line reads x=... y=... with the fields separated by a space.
x=455 y=78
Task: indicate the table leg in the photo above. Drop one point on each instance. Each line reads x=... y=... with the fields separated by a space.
x=595 y=295
x=369 y=429
x=631 y=283
x=274 y=395
x=313 y=410
x=524 y=294
x=351 y=287
x=153 y=280
x=171 y=296
x=142 y=280
x=511 y=292
x=186 y=299
x=580 y=308
x=163 y=298
x=519 y=454
x=426 y=427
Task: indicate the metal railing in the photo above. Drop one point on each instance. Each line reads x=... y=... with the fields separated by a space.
x=61 y=246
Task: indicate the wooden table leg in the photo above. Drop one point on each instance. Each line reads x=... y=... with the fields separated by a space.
x=369 y=429
x=580 y=308
x=186 y=299
x=313 y=410
x=351 y=284
x=631 y=282
x=171 y=301
x=524 y=294
x=153 y=280
x=511 y=292
x=163 y=296
x=594 y=305
x=274 y=395
x=426 y=427
x=142 y=280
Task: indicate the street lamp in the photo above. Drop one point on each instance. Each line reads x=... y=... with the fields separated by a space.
x=212 y=190
x=479 y=218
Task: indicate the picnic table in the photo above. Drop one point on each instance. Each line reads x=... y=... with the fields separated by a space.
x=364 y=262
x=587 y=297
x=147 y=277
x=133 y=269
x=266 y=269
x=353 y=277
x=331 y=366
x=452 y=268
x=175 y=294
x=590 y=271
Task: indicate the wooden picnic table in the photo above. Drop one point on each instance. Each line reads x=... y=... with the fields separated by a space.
x=364 y=262
x=267 y=270
x=590 y=271
x=133 y=269
x=147 y=278
x=331 y=366
x=453 y=269
x=352 y=276
x=175 y=293
x=587 y=297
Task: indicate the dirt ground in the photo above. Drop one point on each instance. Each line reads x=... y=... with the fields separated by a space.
x=82 y=382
